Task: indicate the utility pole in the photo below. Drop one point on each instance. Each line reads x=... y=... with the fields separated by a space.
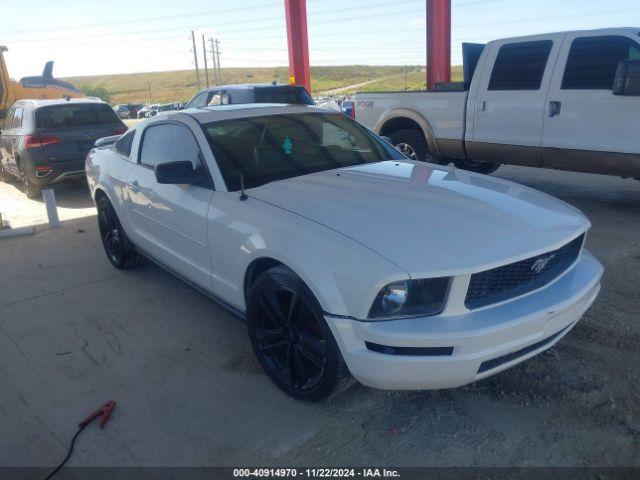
x=215 y=65
x=204 y=54
x=195 y=59
x=149 y=87
x=218 y=59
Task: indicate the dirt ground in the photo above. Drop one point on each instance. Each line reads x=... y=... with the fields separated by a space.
x=74 y=332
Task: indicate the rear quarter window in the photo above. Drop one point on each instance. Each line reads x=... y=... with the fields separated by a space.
x=75 y=115
x=124 y=143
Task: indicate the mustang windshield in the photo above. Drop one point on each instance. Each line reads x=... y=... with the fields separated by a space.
x=276 y=147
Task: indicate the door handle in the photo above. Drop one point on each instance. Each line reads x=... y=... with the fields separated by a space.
x=134 y=186
x=554 y=108
x=481 y=106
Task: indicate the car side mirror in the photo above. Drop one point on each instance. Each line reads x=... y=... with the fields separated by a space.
x=179 y=173
x=627 y=79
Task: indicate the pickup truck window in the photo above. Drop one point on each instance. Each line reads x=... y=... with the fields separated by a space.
x=199 y=100
x=275 y=147
x=592 y=61
x=169 y=142
x=520 y=66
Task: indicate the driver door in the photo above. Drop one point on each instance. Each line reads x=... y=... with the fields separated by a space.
x=169 y=222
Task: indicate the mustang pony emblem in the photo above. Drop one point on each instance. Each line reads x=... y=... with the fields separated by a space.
x=540 y=263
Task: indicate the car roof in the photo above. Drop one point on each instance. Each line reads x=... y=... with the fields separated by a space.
x=243 y=110
x=250 y=86
x=58 y=101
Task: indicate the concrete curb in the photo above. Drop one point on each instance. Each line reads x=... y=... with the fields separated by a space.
x=14 y=232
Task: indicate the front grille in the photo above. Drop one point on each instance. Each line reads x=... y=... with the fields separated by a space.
x=509 y=281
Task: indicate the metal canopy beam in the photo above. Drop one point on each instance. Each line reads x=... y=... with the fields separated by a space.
x=298 y=42
x=438 y=42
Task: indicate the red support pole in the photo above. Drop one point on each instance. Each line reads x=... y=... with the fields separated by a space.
x=298 y=42
x=438 y=42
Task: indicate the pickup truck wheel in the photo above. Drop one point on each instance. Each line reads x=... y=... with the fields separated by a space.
x=411 y=143
x=291 y=338
x=119 y=249
x=478 y=167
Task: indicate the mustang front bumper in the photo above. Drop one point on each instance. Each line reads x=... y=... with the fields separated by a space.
x=446 y=351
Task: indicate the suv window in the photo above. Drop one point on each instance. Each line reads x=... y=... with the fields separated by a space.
x=8 y=119
x=169 y=142
x=592 y=61
x=199 y=100
x=520 y=66
x=75 y=115
x=124 y=143
x=17 y=118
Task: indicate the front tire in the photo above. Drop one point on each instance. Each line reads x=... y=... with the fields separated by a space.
x=291 y=338
x=478 y=167
x=117 y=246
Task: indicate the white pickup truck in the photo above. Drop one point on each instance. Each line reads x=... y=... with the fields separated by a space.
x=566 y=100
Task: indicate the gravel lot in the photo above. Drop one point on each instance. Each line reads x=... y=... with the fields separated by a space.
x=74 y=332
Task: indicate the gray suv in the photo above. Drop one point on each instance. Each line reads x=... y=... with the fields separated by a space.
x=46 y=141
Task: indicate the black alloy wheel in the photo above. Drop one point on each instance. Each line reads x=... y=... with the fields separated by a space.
x=117 y=246
x=290 y=337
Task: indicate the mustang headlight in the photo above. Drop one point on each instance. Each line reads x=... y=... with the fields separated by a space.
x=411 y=298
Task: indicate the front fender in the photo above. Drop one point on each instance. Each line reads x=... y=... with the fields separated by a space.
x=344 y=275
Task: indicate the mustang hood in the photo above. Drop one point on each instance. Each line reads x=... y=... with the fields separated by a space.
x=430 y=220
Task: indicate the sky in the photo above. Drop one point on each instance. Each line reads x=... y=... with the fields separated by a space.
x=95 y=37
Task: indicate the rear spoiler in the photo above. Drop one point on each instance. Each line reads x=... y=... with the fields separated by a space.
x=106 y=141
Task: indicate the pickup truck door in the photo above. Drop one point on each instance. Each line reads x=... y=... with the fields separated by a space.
x=586 y=126
x=169 y=222
x=508 y=107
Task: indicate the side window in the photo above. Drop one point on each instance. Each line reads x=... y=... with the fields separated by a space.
x=199 y=100
x=520 y=66
x=8 y=119
x=124 y=143
x=17 y=118
x=592 y=61
x=169 y=143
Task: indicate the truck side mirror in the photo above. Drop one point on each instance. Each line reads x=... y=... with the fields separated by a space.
x=627 y=79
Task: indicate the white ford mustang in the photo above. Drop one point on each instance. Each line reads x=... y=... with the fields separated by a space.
x=344 y=256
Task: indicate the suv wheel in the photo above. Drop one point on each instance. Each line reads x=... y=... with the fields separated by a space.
x=119 y=249
x=291 y=338
x=5 y=176
x=31 y=190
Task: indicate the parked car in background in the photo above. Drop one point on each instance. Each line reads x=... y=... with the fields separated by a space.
x=342 y=254
x=46 y=141
x=567 y=100
x=251 y=93
x=145 y=111
x=122 y=111
x=133 y=109
x=348 y=108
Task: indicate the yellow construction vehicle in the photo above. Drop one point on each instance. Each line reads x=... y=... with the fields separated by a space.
x=43 y=86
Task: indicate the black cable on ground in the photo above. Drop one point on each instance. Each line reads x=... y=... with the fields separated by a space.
x=73 y=442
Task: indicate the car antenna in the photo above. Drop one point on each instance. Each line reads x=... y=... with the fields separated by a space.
x=243 y=196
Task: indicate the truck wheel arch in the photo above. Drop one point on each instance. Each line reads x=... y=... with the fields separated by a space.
x=403 y=118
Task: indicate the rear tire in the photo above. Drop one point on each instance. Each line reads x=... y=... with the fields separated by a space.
x=5 y=177
x=478 y=167
x=291 y=338
x=119 y=249
x=411 y=143
x=31 y=190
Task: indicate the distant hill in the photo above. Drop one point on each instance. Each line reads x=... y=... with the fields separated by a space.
x=180 y=86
